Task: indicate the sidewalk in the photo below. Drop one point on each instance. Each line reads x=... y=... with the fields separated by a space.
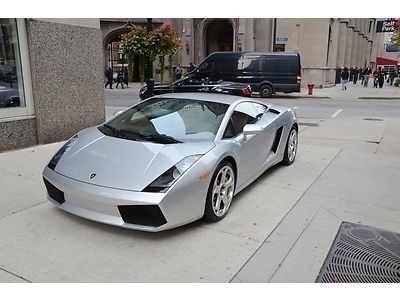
x=354 y=91
x=279 y=229
x=130 y=95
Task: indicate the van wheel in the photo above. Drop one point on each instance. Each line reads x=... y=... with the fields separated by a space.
x=265 y=91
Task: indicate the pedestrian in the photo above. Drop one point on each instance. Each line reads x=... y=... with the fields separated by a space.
x=345 y=78
x=126 y=76
x=120 y=79
x=355 y=76
x=375 y=76
x=191 y=67
x=392 y=76
x=109 y=75
x=366 y=73
x=381 y=77
x=178 y=72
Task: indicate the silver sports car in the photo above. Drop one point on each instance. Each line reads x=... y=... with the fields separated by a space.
x=170 y=160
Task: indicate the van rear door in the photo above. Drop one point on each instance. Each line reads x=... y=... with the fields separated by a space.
x=282 y=71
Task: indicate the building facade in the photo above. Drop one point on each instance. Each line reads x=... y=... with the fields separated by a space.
x=326 y=45
x=51 y=79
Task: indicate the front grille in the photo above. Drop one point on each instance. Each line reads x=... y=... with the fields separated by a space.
x=362 y=254
x=54 y=192
x=146 y=215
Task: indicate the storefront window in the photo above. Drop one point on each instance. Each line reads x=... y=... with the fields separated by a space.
x=11 y=81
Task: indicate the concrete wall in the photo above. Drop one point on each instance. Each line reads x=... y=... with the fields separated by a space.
x=17 y=134
x=67 y=78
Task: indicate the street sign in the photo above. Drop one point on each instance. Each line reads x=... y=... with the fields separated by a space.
x=388 y=25
x=282 y=39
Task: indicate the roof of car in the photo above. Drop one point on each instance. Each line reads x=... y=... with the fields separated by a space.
x=214 y=97
x=219 y=98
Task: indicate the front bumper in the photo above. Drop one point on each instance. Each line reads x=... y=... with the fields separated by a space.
x=122 y=207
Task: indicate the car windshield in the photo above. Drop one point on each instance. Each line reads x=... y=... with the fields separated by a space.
x=169 y=120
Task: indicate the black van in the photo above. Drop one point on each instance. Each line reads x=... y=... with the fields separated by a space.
x=267 y=73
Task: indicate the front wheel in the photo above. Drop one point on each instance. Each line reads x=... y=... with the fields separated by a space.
x=291 y=147
x=220 y=193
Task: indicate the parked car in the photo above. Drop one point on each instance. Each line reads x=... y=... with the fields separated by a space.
x=170 y=160
x=191 y=84
x=267 y=73
x=9 y=97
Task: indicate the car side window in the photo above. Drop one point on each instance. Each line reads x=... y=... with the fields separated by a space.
x=207 y=67
x=244 y=113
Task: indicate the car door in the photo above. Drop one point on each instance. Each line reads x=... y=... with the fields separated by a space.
x=254 y=150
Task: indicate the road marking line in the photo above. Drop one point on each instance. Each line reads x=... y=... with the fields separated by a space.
x=336 y=113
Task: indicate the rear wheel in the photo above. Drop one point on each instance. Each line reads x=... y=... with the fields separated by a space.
x=220 y=193
x=265 y=91
x=291 y=147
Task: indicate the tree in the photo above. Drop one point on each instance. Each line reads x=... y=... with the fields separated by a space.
x=134 y=43
x=395 y=39
x=157 y=43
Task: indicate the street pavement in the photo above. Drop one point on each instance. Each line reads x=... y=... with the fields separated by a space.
x=279 y=229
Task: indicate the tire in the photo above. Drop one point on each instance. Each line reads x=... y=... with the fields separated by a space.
x=291 y=147
x=216 y=208
x=265 y=91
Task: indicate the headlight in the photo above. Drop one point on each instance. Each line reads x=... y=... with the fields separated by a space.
x=53 y=163
x=166 y=180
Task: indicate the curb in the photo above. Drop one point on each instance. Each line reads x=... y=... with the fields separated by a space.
x=302 y=97
x=379 y=97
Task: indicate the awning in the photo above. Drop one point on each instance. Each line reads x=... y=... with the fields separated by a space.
x=381 y=61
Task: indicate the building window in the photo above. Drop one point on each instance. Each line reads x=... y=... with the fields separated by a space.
x=14 y=70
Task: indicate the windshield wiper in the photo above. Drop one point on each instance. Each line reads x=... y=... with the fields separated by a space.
x=155 y=137
x=113 y=129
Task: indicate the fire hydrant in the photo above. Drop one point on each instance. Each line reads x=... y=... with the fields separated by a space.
x=310 y=88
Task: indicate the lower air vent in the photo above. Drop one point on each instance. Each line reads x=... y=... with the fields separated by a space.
x=277 y=139
x=54 y=192
x=363 y=254
x=146 y=215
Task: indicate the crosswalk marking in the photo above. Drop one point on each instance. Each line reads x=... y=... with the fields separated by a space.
x=336 y=113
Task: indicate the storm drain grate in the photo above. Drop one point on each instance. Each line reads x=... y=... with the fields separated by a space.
x=362 y=254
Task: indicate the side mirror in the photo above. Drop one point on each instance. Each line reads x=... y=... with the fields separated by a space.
x=251 y=129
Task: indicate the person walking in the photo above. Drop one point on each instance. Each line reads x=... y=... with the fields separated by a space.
x=109 y=75
x=345 y=78
x=178 y=72
x=191 y=67
x=120 y=79
x=381 y=77
x=375 y=76
x=366 y=73
x=392 y=76
x=355 y=75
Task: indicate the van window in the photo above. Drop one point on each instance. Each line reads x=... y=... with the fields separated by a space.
x=226 y=66
x=270 y=65
x=207 y=67
x=250 y=63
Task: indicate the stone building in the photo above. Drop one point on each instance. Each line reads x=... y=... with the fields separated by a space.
x=51 y=76
x=325 y=45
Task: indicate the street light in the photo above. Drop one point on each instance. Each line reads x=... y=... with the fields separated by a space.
x=148 y=74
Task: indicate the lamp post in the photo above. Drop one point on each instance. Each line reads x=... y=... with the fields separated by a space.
x=274 y=36
x=148 y=73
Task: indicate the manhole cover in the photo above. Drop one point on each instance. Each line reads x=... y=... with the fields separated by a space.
x=362 y=254
x=372 y=119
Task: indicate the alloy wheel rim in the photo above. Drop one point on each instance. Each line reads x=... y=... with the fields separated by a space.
x=223 y=189
x=292 y=145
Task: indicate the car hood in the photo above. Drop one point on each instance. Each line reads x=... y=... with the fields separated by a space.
x=120 y=163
